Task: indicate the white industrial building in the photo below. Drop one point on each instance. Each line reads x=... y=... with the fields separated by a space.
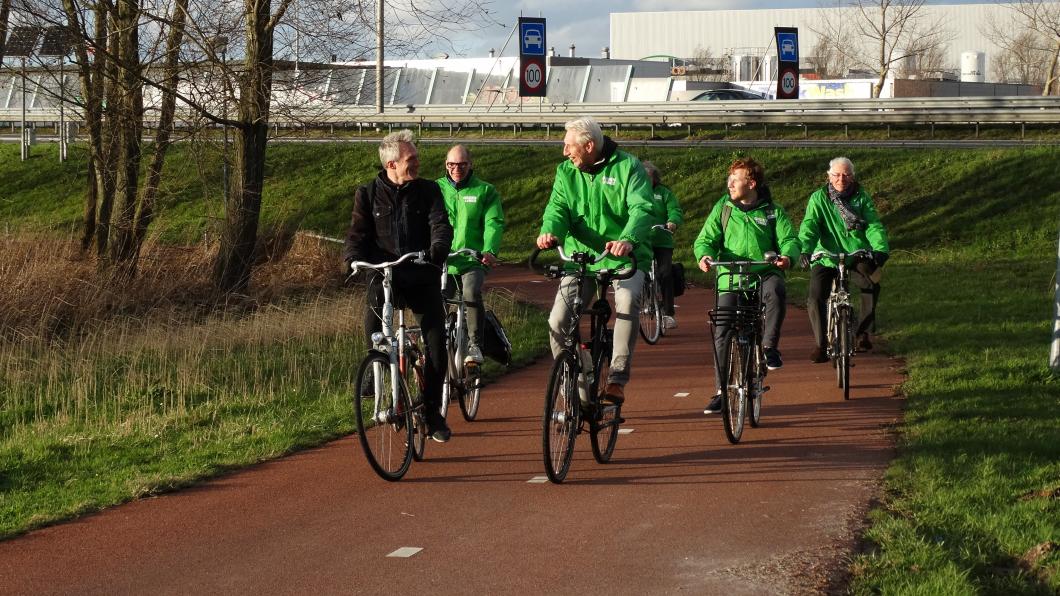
x=683 y=34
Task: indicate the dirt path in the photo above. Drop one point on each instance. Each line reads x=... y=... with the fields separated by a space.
x=679 y=509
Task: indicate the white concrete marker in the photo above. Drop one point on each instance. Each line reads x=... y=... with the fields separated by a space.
x=538 y=480
x=405 y=552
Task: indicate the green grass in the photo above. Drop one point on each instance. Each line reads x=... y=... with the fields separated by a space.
x=966 y=305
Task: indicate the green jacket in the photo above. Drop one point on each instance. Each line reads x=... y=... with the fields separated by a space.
x=823 y=227
x=478 y=220
x=612 y=202
x=748 y=235
x=666 y=210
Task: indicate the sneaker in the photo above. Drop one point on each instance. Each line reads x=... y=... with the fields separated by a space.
x=613 y=393
x=773 y=360
x=714 y=407
x=439 y=433
x=474 y=355
x=818 y=355
x=863 y=344
x=669 y=322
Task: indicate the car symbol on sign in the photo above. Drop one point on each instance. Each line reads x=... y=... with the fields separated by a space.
x=532 y=38
x=787 y=47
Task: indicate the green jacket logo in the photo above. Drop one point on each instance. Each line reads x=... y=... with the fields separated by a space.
x=608 y=180
x=470 y=199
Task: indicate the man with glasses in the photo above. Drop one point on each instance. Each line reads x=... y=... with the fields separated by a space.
x=841 y=217
x=478 y=221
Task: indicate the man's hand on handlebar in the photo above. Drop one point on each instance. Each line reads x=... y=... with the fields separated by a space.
x=671 y=226
x=545 y=241
x=705 y=264
x=489 y=259
x=782 y=262
x=804 y=261
x=619 y=248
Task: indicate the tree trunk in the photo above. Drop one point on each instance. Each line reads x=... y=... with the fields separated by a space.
x=145 y=213
x=5 y=11
x=235 y=257
x=128 y=125
x=1052 y=74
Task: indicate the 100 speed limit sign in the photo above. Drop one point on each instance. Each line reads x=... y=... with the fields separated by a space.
x=533 y=75
x=787 y=82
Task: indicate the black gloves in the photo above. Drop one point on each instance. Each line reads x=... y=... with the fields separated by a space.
x=804 y=261
x=879 y=258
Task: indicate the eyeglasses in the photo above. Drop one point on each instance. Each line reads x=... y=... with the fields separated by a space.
x=840 y=175
x=457 y=164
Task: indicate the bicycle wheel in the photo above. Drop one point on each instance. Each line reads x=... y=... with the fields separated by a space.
x=734 y=406
x=469 y=394
x=845 y=351
x=384 y=427
x=413 y=373
x=606 y=417
x=561 y=417
x=757 y=377
x=650 y=312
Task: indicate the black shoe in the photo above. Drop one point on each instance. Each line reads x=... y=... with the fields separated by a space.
x=863 y=344
x=439 y=434
x=818 y=356
x=714 y=407
x=773 y=360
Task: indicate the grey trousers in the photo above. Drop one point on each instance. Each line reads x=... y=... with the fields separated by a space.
x=627 y=307
x=471 y=288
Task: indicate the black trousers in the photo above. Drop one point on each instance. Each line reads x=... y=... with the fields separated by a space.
x=821 y=279
x=774 y=298
x=425 y=302
x=664 y=260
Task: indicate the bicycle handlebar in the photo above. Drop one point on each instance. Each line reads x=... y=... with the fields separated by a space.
x=419 y=260
x=586 y=259
x=861 y=252
x=663 y=228
x=770 y=259
x=467 y=251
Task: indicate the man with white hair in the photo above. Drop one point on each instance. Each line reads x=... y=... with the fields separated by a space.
x=601 y=202
x=841 y=217
x=394 y=214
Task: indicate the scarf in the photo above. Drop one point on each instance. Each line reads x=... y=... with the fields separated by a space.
x=842 y=203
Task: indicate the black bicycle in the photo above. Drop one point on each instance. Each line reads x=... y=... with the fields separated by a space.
x=581 y=370
x=652 y=317
x=462 y=379
x=743 y=369
x=840 y=334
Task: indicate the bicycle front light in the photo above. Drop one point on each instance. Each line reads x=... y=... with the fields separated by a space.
x=377 y=338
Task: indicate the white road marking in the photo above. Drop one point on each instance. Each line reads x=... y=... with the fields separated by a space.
x=538 y=480
x=625 y=431
x=682 y=394
x=405 y=552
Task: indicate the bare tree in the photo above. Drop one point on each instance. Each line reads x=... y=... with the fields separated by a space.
x=1030 y=43
x=5 y=13
x=704 y=66
x=830 y=56
x=884 y=31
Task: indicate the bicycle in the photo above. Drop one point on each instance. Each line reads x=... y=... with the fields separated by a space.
x=652 y=326
x=460 y=378
x=580 y=370
x=840 y=334
x=389 y=411
x=744 y=370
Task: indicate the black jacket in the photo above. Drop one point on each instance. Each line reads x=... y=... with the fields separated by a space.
x=389 y=221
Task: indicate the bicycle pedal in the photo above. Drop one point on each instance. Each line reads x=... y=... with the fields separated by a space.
x=766 y=388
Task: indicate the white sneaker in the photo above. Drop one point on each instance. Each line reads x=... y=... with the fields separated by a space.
x=669 y=322
x=474 y=355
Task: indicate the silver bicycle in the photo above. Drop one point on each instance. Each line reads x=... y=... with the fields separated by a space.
x=840 y=334
x=461 y=379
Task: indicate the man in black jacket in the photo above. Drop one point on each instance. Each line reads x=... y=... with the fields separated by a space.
x=394 y=214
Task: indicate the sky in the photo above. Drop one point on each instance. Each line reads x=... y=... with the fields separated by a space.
x=587 y=23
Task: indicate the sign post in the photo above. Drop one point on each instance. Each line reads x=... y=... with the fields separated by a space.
x=787 y=62
x=531 y=57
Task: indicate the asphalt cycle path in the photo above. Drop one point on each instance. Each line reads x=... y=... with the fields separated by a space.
x=678 y=509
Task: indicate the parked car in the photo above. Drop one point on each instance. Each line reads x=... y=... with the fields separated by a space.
x=728 y=94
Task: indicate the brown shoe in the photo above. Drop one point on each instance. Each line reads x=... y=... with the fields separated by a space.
x=613 y=393
x=863 y=343
x=818 y=356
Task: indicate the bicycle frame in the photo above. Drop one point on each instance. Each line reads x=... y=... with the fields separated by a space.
x=457 y=337
x=840 y=315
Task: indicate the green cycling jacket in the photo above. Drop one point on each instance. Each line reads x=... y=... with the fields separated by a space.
x=665 y=209
x=823 y=227
x=475 y=212
x=613 y=202
x=748 y=235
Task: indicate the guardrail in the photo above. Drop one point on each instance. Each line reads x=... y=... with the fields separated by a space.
x=968 y=110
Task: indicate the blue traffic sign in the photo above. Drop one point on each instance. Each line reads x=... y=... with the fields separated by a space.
x=532 y=39
x=788 y=46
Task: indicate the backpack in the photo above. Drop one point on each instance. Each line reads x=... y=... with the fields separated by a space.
x=771 y=217
x=677 y=275
x=495 y=344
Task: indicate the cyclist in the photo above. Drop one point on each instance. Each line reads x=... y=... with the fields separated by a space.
x=394 y=214
x=668 y=212
x=841 y=217
x=478 y=221
x=601 y=202
x=744 y=225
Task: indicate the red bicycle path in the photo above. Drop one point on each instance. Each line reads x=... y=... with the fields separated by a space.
x=678 y=510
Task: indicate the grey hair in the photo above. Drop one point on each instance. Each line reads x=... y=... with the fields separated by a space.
x=844 y=161
x=390 y=148
x=652 y=171
x=587 y=129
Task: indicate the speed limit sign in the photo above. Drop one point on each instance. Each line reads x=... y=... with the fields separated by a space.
x=533 y=75
x=788 y=85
